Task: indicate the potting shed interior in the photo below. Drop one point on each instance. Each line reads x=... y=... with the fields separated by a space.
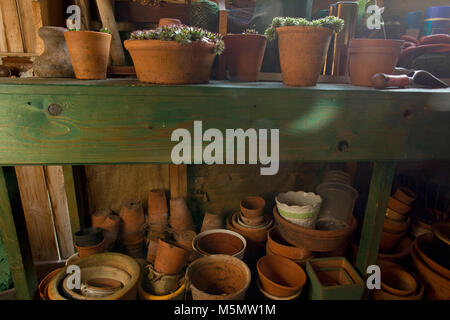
x=88 y=176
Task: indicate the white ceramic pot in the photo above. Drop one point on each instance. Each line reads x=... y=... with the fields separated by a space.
x=300 y=208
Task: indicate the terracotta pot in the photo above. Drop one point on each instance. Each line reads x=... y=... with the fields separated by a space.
x=397 y=281
x=391 y=214
x=54 y=62
x=177 y=295
x=397 y=254
x=280 y=276
x=132 y=216
x=220 y=241
x=441 y=243
x=89 y=53
x=254 y=222
x=170 y=258
x=437 y=287
x=123 y=263
x=302 y=53
x=212 y=221
x=405 y=195
x=84 y=252
x=88 y=237
x=43 y=285
x=185 y=238
x=99 y=216
x=157 y=208
x=168 y=62
x=218 y=277
x=251 y=234
x=389 y=240
x=422 y=245
x=268 y=296
x=131 y=238
x=110 y=227
x=398 y=206
x=244 y=56
x=279 y=246
x=314 y=240
x=371 y=56
x=168 y=22
x=135 y=250
x=180 y=216
x=253 y=207
x=300 y=262
x=396 y=226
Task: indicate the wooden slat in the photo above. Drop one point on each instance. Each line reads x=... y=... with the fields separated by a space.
x=3 y=42
x=72 y=199
x=60 y=209
x=380 y=190
x=14 y=236
x=53 y=13
x=12 y=25
x=37 y=25
x=108 y=20
x=178 y=181
x=38 y=215
x=27 y=25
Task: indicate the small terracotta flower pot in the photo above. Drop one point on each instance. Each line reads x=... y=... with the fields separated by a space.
x=89 y=251
x=371 y=56
x=212 y=221
x=153 y=238
x=89 y=237
x=180 y=216
x=251 y=234
x=168 y=62
x=391 y=214
x=280 y=276
x=405 y=195
x=89 y=53
x=170 y=258
x=398 y=206
x=220 y=242
x=398 y=281
x=110 y=227
x=244 y=56
x=279 y=246
x=157 y=208
x=168 y=22
x=257 y=221
x=253 y=207
x=396 y=226
x=132 y=216
x=99 y=216
x=389 y=240
x=302 y=53
x=131 y=238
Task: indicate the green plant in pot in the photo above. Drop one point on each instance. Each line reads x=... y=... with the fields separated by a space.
x=303 y=45
x=174 y=54
x=244 y=55
x=89 y=52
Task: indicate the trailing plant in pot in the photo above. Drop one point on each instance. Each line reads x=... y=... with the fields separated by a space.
x=303 y=45
x=174 y=54
x=244 y=55
x=89 y=52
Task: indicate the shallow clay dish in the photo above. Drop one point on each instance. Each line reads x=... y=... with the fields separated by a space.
x=397 y=281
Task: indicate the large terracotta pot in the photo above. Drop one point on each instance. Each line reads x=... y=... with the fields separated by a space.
x=168 y=62
x=218 y=277
x=170 y=258
x=244 y=56
x=279 y=246
x=89 y=53
x=302 y=53
x=157 y=208
x=371 y=56
x=132 y=216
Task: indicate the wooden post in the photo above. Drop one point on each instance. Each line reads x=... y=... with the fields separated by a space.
x=14 y=236
x=72 y=199
x=12 y=25
x=223 y=30
x=27 y=25
x=178 y=181
x=380 y=190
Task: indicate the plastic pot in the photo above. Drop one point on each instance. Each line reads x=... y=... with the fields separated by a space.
x=371 y=56
x=302 y=53
x=244 y=56
x=89 y=53
x=280 y=276
x=218 y=277
x=168 y=62
x=220 y=241
x=170 y=258
x=279 y=246
x=253 y=206
x=337 y=176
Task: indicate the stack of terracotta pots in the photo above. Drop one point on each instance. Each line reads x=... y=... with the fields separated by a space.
x=89 y=241
x=180 y=215
x=280 y=278
x=157 y=211
x=397 y=221
x=397 y=283
x=109 y=223
x=430 y=253
x=253 y=224
x=132 y=234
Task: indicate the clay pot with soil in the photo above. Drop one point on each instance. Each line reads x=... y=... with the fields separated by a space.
x=89 y=53
x=157 y=208
x=187 y=58
x=303 y=46
x=218 y=277
x=180 y=215
x=244 y=55
x=371 y=56
x=170 y=258
x=280 y=276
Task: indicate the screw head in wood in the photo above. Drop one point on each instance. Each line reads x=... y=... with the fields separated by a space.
x=55 y=109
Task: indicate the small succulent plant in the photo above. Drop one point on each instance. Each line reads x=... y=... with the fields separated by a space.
x=334 y=23
x=182 y=34
x=105 y=30
x=250 y=31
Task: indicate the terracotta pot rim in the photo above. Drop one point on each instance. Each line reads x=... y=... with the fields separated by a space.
x=148 y=44
x=244 y=35
x=400 y=225
x=272 y=297
x=303 y=29
x=427 y=260
x=239 y=255
x=285 y=261
x=295 y=253
x=399 y=292
x=375 y=43
x=237 y=226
